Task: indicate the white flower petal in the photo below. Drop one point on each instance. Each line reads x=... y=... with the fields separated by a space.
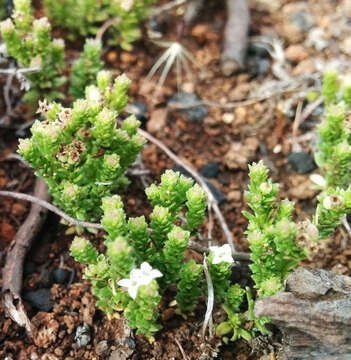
x=133 y=291
x=156 y=274
x=135 y=274
x=144 y=280
x=222 y=254
x=125 y=283
x=145 y=267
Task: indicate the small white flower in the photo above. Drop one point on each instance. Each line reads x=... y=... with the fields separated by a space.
x=147 y=272
x=222 y=254
x=93 y=93
x=139 y=277
x=132 y=285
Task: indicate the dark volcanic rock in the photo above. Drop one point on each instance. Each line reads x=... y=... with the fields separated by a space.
x=60 y=276
x=301 y=162
x=210 y=170
x=194 y=113
x=39 y=299
x=139 y=109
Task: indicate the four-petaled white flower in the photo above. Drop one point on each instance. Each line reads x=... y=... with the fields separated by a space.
x=222 y=254
x=139 y=277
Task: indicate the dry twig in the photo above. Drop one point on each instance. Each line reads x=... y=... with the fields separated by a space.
x=210 y=301
x=235 y=36
x=13 y=269
x=180 y=348
x=50 y=207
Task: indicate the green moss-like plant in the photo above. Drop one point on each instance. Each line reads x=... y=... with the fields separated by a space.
x=85 y=69
x=271 y=233
x=334 y=153
x=85 y=17
x=80 y=152
x=133 y=250
x=28 y=40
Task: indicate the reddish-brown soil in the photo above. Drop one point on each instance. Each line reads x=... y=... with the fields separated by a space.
x=255 y=130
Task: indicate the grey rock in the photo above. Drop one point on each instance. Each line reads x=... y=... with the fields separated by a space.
x=309 y=283
x=101 y=347
x=194 y=113
x=39 y=299
x=210 y=170
x=82 y=336
x=139 y=109
x=302 y=20
x=314 y=316
x=60 y=276
x=301 y=162
x=121 y=354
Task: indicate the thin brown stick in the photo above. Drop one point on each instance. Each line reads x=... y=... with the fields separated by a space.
x=235 y=36
x=309 y=109
x=296 y=124
x=13 y=269
x=180 y=348
x=105 y=26
x=198 y=178
x=50 y=207
x=229 y=105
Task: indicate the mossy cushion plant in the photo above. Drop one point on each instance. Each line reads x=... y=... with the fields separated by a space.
x=28 y=40
x=144 y=258
x=334 y=153
x=85 y=69
x=85 y=17
x=80 y=152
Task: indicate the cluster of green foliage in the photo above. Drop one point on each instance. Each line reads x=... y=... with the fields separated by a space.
x=334 y=153
x=28 y=40
x=134 y=243
x=80 y=152
x=271 y=233
x=84 y=70
x=276 y=248
x=277 y=243
x=238 y=320
x=85 y=17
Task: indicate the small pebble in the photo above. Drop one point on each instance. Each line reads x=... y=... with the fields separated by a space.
x=39 y=299
x=302 y=20
x=228 y=118
x=130 y=342
x=234 y=195
x=210 y=170
x=82 y=336
x=301 y=162
x=60 y=276
x=139 y=109
x=194 y=113
x=101 y=347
